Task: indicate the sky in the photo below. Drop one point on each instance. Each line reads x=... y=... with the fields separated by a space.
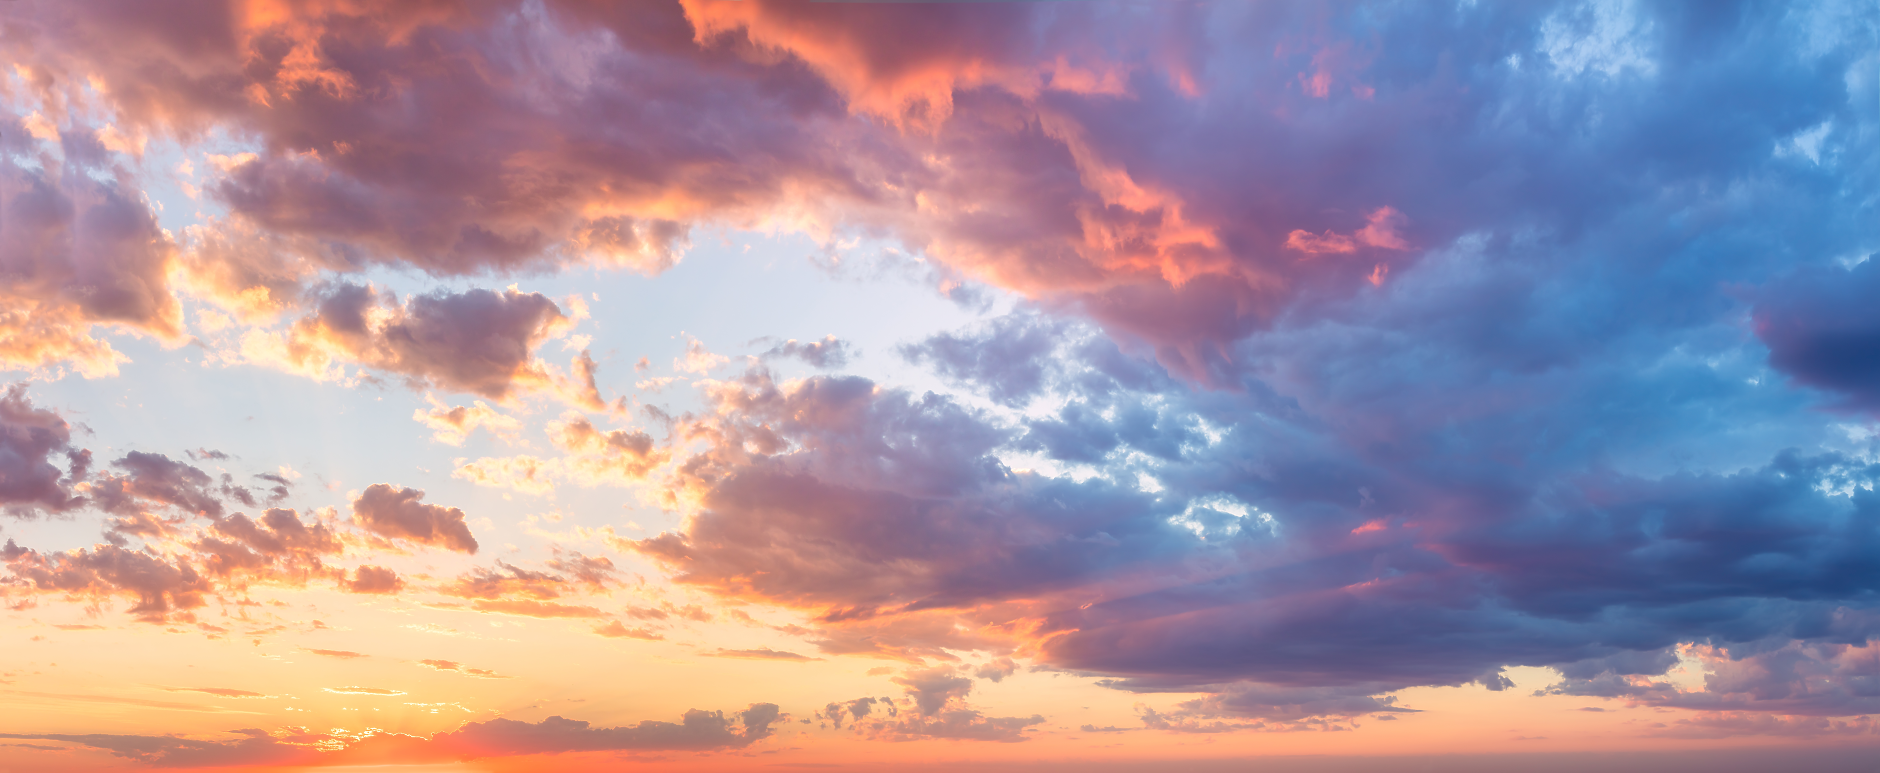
x=572 y=385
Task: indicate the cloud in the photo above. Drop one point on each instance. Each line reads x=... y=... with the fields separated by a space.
x=452 y=426
x=596 y=572
x=833 y=493
x=1790 y=678
x=829 y=353
x=613 y=456
x=374 y=579
x=860 y=708
x=220 y=692
x=1268 y=705
x=1072 y=155
x=761 y=653
x=527 y=474
x=1820 y=328
x=503 y=581
x=255 y=274
x=478 y=341
x=343 y=654
x=958 y=724
x=453 y=666
x=30 y=438
x=231 y=553
x=532 y=608
x=1380 y=231
x=279 y=534
x=1718 y=725
x=399 y=512
x=696 y=731
x=698 y=360
x=82 y=249
x=996 y=670
x=874 y=512
x=160 y=587
x=154 y=479
x=933 y=688
x=615 y=630
x=594 y=457
x=940 y=711
x=1006 y=358
x=362 y=691
x=1549 y=438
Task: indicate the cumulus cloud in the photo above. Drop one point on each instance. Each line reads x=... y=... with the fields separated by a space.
x=31 y=439
x=1773 y=676
x=141 y=483
x=159 y=586
x=1467 y=349
x=938 y=699
x=401 y=513
x=593 y=456
x=595 y=572
x=524 y=473
x=504 y=581
x=278 y=544
x=81 y=249
x=613 y=455
x=860 y=708
x=375 y=580
x=1057 y=154
x=957 y=724
x=835 y=494
x=478 y=341
x=875 y=511
x=1821 y=330
x=453 y=425
x=226 y=555
x=1007 y=359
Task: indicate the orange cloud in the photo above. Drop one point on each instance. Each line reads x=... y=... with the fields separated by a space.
x=1382 y=230
x=531 y=608
x=614 y=630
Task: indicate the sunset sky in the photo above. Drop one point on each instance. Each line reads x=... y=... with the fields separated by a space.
x=572 y=385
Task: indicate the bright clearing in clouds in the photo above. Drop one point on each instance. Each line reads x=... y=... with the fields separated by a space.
x=587 y=386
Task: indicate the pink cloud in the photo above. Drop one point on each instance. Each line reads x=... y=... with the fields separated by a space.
x=401 y=513
x=1382 y=230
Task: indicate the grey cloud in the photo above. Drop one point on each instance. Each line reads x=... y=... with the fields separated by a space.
x=826 y=354
x=477 y=341
x=401 y=513
x=30 y=438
